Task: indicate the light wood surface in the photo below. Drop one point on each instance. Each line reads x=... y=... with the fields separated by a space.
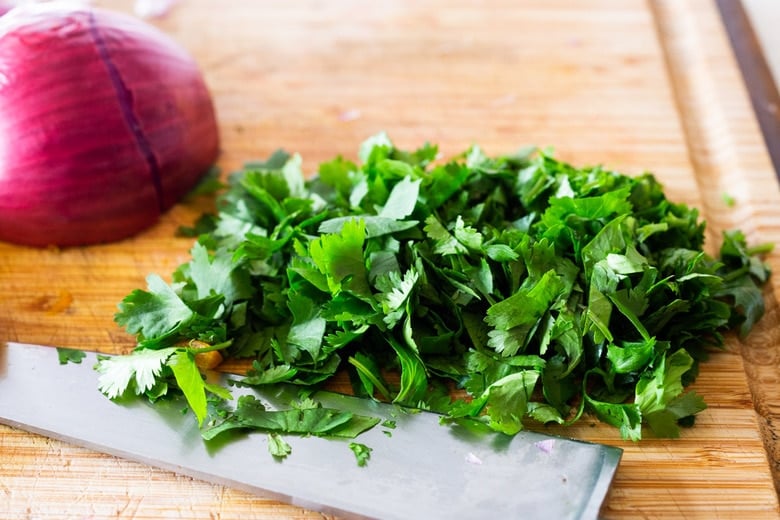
x=636 y=85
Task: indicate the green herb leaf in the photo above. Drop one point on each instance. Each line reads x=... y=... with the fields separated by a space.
x=277 y=446
x=70 y=355
x=362 y=453
x=188 y=377
x=515 y=318
x=251 y=414
x=340 y=258
x=155 y=312
x=138 y=371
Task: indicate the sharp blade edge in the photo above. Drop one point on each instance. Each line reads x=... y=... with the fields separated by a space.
x=420 y=469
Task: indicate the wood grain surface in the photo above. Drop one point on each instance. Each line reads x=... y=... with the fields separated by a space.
x=635 y=85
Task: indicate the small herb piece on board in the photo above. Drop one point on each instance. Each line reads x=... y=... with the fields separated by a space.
x=538 y=289
x=69 y=355
x=362 y=453
x=728 y=200
x=277 y=446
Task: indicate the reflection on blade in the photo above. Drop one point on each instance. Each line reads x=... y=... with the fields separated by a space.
x=419 y=469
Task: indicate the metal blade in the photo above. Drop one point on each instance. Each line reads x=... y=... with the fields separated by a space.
x=420 y=469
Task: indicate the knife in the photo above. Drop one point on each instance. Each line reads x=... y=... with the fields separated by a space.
x=419 y=469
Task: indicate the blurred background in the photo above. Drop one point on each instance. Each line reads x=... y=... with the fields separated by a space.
x=765 y=17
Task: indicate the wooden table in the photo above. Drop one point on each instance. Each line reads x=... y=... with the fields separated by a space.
x=636 y=85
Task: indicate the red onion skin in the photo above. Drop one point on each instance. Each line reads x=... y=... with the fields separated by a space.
x=105 y=123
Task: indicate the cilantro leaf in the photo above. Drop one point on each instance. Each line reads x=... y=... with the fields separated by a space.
x=340 y=258
x=376 y=226
x=362 y=453
x=445 y=242
x=666 y=422
x=379 y=141
x=402 y=199
x=515 y=318
x=340 y=175
x=395 y=293
x=308 y=325
x=664 y=383
x=153 y=313
x=182 y=363
x=251 y=414
x=277 y=446
x=369 y=375
x=70 y=355
x=626 y=417
x=137 y=372
x=259 y=376
x=217 y=274
x=508 y=399
x=414 y=377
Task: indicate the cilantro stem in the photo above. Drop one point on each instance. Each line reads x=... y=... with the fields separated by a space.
x=735 y=274
x=209 y=348
x=760 y=249
x=366 y=372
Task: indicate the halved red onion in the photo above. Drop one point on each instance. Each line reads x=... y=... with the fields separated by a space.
x=105 y=123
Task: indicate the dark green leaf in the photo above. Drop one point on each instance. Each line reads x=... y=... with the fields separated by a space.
x=70 y=355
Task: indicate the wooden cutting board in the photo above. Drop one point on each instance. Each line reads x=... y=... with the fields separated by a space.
x=636 y=85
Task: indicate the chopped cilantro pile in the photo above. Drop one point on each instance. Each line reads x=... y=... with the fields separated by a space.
x=530 y=289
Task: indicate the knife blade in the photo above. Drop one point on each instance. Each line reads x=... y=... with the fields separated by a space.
x=419 y=469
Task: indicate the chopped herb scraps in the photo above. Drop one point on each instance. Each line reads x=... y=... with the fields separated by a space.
x=539 y=290
x=277 y=446
x=362 y=453
x=70 y=355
